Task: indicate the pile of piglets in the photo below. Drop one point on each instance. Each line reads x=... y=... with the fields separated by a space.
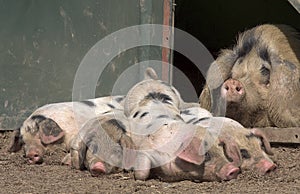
x=150 y=131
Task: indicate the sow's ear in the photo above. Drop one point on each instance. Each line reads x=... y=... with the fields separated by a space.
x=49 y=131
x=192 y=152
x=16 y=142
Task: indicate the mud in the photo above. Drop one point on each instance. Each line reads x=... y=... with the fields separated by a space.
x=16 y=176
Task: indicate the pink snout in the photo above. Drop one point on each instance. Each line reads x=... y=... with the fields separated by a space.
x=97 y=168
x=228 y=172
x=232 y=90
x=265 y=166
x=34 y=156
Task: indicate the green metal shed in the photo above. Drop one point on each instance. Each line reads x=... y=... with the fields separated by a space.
x=43 y=44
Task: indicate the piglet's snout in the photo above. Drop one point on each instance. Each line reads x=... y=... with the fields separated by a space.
x=97 y=169
x=232 y=90
x=228 y=172
x=264 y=166
x=34 y=156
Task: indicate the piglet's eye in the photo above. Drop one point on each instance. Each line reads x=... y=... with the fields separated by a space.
x=207 y=157
x=245 y=154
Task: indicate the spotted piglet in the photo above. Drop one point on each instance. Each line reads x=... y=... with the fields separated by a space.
x=102 y=145
x=57 y=124
x=253 y=144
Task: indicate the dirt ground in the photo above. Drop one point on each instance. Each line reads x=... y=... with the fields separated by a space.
x=16 y=176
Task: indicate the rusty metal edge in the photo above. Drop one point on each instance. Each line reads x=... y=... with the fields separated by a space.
x=167 y=41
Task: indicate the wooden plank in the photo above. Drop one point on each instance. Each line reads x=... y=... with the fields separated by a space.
x=282 y=135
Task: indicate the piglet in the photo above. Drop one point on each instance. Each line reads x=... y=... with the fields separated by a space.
x=178 y=151
x=58 y=124
x=102 y=145
x=252 y=143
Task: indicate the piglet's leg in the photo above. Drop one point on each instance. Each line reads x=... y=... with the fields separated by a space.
x=77 y=153
x=67 y=160
x=142 y=167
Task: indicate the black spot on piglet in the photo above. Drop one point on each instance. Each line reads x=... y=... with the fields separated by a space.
x=144 y=114
x=136 y=114
x=89 y=103
x=164 y=98
x=38 y=118
x=199 y=120
x=119 y=99
x=118 y=124
x=191 y=120
x=186 y=112
x=111 y=106
x=162 y=116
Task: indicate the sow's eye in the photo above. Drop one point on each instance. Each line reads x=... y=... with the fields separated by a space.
x=265 y=72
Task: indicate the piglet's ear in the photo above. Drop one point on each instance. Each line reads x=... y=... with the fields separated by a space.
x=231 y=150
x=49 y=131
x=258 y=133
x=191 y=153
x=16 y=141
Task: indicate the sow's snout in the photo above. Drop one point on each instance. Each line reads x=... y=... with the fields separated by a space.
x=232 y=90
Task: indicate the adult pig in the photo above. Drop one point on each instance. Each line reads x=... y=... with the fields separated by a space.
x=253 y=144
x=57 y=123
x=257 y=81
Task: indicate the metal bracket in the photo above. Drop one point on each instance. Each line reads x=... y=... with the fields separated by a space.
x=282 y=135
